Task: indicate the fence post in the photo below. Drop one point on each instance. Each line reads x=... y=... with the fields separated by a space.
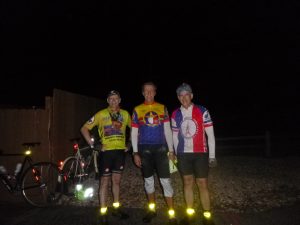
x=268 y=144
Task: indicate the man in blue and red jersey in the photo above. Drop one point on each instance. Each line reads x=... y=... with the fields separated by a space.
x=191 y=124
x=152 y=144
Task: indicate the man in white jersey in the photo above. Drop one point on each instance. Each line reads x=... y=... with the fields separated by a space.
x=191 y=124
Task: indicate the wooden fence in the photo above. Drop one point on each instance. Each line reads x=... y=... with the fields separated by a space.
x=267 y=145
x=52 y=126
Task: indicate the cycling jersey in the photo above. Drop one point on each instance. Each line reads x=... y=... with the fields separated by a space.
x=190 y=124
x=111 y=128
x=150 y=119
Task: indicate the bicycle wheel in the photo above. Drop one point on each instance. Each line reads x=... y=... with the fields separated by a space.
x=73 y=174
x=41 y=184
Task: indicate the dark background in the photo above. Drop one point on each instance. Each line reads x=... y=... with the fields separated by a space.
x=241 y=57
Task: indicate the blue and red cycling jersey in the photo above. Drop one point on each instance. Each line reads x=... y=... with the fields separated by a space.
x=190 y=125
x=150 y=119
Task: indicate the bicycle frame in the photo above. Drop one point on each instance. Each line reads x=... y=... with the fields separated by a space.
x=5 y=177
x=39 y=182
x=78 y=171
x=80 y=158
x=7 y=183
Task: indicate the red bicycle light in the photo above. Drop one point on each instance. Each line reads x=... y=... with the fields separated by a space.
x=36 y=174
x=60 y=164
x=75 y=147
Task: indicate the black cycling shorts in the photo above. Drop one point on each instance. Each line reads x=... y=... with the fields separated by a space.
x=154 y=159
x=111 y=161
x=193 y=164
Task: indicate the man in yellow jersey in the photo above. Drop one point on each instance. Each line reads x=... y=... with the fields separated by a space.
x=111 y=123
x=151 y=138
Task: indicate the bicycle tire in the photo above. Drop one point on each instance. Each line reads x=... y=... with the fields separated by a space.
x=41 y=184
x=73 y=174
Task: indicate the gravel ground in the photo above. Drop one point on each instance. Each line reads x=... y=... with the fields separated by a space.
x=238 y=184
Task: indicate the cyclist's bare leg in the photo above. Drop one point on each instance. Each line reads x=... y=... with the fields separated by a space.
x=188 y=181
x=116 y=179
x=104 y=181
x=169 y=201
x=151 y=197
x=202 y=184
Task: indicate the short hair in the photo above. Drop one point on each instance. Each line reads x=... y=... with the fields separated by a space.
x=184 y=87
x=148 y=83
x=113 y=92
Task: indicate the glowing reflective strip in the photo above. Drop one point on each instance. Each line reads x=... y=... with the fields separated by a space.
x=116 y=204
x=207 y=214
x=103 y=210
x=151 y=206
x=171 y=213
x=190 y=211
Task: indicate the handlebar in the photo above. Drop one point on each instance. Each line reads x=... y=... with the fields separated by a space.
x=26 y=146
x=31 y=144
x=12 y=154
x=97 y=147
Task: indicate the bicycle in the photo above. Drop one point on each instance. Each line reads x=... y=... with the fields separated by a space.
x=78 y=169
x=40 y=183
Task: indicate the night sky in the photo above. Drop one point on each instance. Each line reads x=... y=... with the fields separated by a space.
x=241 y=58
